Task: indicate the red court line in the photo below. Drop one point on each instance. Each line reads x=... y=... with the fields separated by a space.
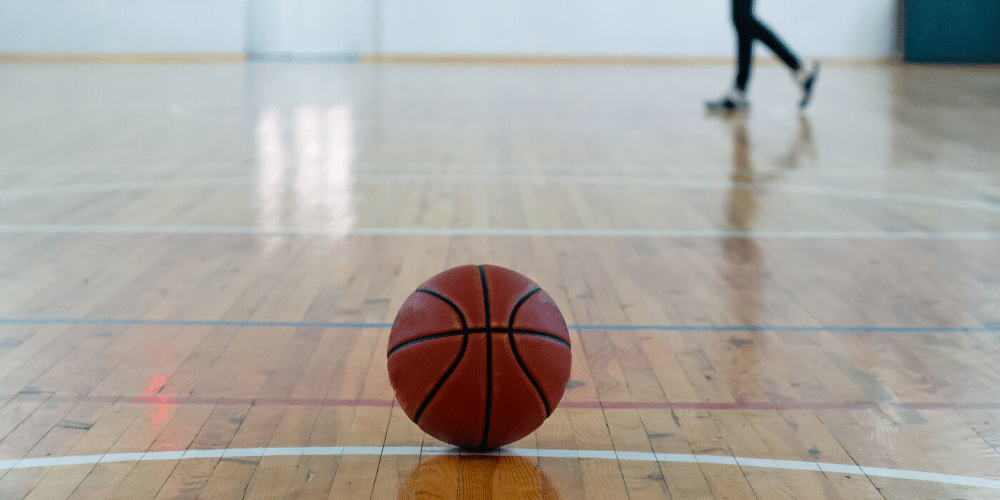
x=572 y=405
x=768 y=406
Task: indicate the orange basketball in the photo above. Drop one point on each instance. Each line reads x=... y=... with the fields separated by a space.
x=479 y=356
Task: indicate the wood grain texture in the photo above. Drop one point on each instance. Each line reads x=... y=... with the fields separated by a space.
x=202 y=258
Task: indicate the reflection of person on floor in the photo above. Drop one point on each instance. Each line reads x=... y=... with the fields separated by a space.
x=739 y=248
x=746 y=270
x=748 y=29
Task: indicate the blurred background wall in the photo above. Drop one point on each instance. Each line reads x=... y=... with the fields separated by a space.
x=128 y=26
x=629 y=28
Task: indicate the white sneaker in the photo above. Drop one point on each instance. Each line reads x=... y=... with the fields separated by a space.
x=807 y=79
x=733 y=102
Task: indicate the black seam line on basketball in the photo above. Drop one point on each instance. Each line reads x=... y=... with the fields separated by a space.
x=428 y=337
x=441 y=381
x=544 y=335
x=517 y=355
x=489 y=359
x=452 y=333
x=446 y=300
x=454 y=364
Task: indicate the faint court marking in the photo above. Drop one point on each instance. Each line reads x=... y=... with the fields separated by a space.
x=386 y=402
x=550 y=233
x=342 y=161
x=684 y=328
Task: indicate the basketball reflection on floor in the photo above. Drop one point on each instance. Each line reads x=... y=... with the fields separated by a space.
x=477 y=477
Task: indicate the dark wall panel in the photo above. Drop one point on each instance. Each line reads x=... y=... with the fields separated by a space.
x=951 y=31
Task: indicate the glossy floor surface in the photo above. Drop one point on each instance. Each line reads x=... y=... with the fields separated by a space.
x=200 y=264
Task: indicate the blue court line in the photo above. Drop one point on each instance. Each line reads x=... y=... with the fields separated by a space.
x=181 y=322
x=679 y=328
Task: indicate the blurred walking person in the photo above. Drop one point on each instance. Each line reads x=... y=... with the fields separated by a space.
x=748 y=29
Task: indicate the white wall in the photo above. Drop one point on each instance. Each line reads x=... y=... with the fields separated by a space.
x=843 y=28
x=307 y=27
x=87 y=26
x=846 y=28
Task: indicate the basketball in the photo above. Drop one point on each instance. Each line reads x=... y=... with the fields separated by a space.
x=479 y=356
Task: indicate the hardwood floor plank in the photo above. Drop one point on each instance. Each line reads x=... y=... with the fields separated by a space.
x=204 y=259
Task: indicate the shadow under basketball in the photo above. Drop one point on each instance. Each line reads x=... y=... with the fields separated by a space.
x=470 y=477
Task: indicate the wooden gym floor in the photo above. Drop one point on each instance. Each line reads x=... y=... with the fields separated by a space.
x=200 y=264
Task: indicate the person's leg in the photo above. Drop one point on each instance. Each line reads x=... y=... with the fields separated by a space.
x=736 y=99
x=744 y=23
x=762 y=33
x=749 y=28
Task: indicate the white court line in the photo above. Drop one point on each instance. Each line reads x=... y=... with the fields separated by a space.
x=708 y=184
x=103 y=187
x=539 y=178
x=430 y=231
x=552 y=168
x=759 y=463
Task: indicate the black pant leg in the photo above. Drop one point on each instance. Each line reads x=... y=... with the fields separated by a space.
x=748 y=29
x=743 y=22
